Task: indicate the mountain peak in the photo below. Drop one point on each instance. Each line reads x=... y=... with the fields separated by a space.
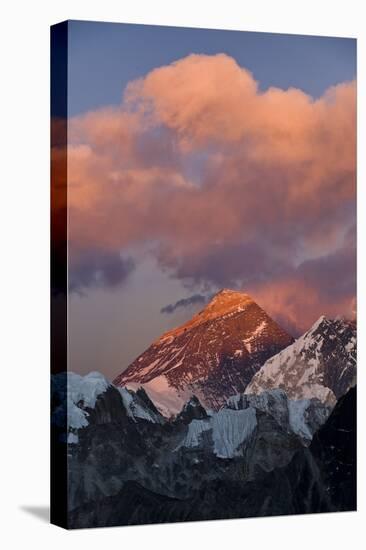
x=321 y=321
x=213 y=355
x=230 y=291
x=227 y=294
x=321 y=363
x=224 y=302
x=228 y=299
x=325 y=324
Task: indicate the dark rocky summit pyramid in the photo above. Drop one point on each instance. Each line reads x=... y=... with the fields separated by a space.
x=213 y=356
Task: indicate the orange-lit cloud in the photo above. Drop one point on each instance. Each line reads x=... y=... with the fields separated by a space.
x=325 y=285
x=226 y=183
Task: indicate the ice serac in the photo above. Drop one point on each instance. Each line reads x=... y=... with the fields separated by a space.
x=320 y=364
x=303 y=417
x=213 y=356
x=225 y=433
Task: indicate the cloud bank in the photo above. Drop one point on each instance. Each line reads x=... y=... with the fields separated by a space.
x=226 y=185
x=98 y=268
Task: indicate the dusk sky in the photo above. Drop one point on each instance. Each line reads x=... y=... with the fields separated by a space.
x=203 y=159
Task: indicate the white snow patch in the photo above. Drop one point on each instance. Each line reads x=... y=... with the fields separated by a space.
x=297 y=411
x=166 y=340
x=323 y=393
x=298 y=417
x=298 y=368
x=249 y=341
x=84 y=390
x=351 y=345
x=133 y=408
x=167 y=399
x=149 y=367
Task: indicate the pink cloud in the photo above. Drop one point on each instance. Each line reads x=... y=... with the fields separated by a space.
x=199 y=162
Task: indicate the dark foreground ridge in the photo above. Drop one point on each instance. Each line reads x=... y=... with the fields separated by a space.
x=318 y=478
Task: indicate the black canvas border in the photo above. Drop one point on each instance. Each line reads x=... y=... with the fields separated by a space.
x=58 y=245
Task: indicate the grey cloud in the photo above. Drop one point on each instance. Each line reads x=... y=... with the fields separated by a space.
x=229 y=264
x=185 y=302
x=96 y=268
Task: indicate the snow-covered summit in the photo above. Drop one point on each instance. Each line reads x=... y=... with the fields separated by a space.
x=212 y=356
x=224 y=302
x=321 y=363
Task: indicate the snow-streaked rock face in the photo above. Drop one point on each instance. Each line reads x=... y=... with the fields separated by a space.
x=192 y=410
x=228 y=432
x=303 y=417
x=92 y=398
x=76 y=394
x=168 y=399
x=320 y=364
x=273 y=402
x=306 y=416
x=137 y=407
x=212 y=356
